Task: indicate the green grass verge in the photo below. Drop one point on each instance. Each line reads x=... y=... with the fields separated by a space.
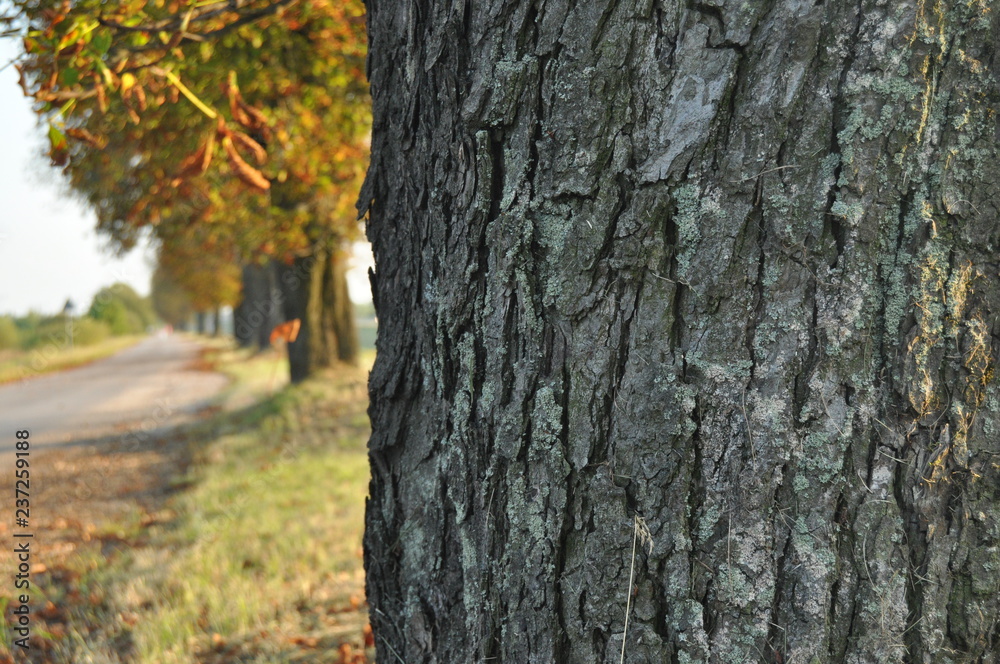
x=17 y=365
x=261 y=558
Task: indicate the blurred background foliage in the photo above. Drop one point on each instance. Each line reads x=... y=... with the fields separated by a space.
x=232 y=134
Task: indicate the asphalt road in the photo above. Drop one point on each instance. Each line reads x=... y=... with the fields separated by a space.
x=149 y=387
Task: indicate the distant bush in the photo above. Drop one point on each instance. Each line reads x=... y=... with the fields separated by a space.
x=52 y=332
x=118 y=318
x=47 y=331
x=88 y=331
x=122 y=309
x=9 y=336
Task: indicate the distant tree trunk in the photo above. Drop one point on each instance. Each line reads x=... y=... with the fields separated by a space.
x=258 y=311
x=270 y=307
x=243 y=331
x=314 y=290
x=338 y=310
x=295 y=283
x=201 y=322
x=724 y=275
x=332 y=311
x=217 y=321
x=321 y=338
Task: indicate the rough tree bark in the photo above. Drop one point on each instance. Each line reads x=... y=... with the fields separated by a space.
x=724 y=271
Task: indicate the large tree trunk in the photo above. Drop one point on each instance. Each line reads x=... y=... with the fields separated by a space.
x=725 y=274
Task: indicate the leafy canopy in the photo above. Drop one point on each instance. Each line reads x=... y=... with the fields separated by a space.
x=248 y=118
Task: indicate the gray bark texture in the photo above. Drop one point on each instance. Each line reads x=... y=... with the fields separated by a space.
x=689 y=308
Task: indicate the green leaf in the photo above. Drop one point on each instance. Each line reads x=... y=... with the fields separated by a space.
x=57 y=139
x=108 y=78
x=101 y=42
x=69 y=76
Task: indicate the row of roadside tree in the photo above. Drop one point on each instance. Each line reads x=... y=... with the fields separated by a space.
x=235 y=138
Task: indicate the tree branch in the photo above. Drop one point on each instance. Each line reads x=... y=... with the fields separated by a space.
x=248 y=18
x=182 y=22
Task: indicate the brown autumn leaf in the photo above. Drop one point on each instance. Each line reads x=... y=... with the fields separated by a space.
x=244 y=114
x=87 y=137
x=102 y=98
x=257 y=121
x=140 y=96
x=243 y=170
x=134 y=96
x=237 y=112
x=21 y=80
x=244 y=141
x=305 y=641
x=197 y=162
x=289 y=331
x=50 y=611
x=59 y=157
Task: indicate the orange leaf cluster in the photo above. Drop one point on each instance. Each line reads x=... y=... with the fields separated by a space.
x=288 y=331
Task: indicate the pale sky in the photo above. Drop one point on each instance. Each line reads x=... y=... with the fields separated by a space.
x=48 y=248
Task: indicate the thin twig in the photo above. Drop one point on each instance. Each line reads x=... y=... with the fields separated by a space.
x=764 y=172
x=191 y=97
x=631 y=574
x=743 y=406
x=391 y=649
x=729 y=556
